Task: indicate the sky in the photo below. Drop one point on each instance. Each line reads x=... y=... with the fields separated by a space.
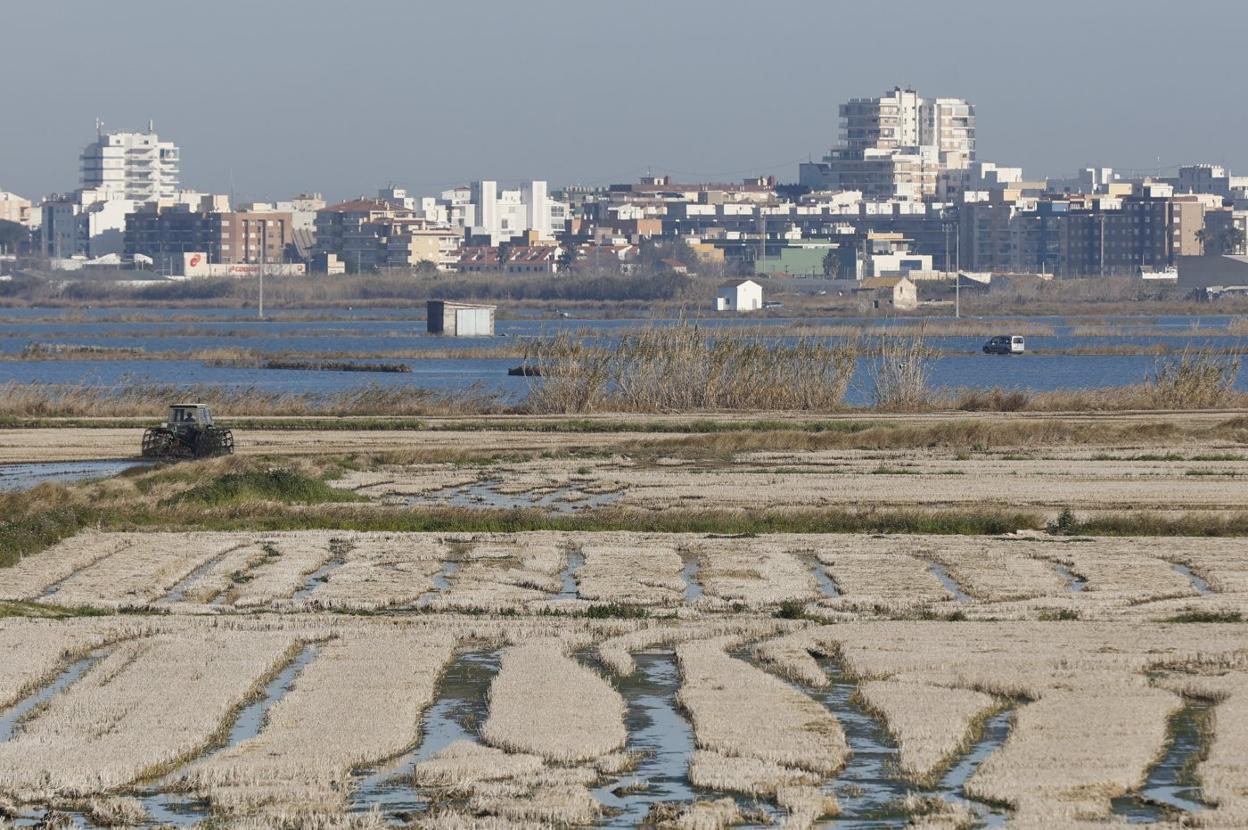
x=268 y=98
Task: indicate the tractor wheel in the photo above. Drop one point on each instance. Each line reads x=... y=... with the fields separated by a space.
x=158 y=443
x=214 y=442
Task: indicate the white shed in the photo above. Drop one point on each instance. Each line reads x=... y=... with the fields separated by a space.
x=739 y=295
x=459 y=319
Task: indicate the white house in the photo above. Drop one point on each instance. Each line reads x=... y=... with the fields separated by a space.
x=739 y=295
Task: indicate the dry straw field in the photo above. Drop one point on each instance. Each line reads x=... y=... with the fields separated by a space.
x=1028 y=622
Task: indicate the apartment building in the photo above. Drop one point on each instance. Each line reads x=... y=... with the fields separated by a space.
x=369 y=234
x=14 y=208
x=499 y=216
x=895 y=146
x=130 y=165
x=86 y=223
x=228 y=237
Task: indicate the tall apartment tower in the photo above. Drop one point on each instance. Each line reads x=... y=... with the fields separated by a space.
x=885 y=123
x=948 y=125
x=137 y=166
x=896 y=146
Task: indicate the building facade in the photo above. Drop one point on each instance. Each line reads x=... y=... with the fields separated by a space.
x=895 y=146
x=227 y=238
x=135 y=166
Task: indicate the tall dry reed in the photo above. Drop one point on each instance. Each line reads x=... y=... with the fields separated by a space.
x=1194 y=379
x=686 y=368
x=899 y=372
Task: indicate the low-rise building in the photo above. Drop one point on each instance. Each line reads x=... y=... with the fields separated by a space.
x=508 y=259
x=739 y=295
x=896 y=293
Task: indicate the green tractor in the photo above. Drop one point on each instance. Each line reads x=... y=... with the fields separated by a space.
x=189 y=433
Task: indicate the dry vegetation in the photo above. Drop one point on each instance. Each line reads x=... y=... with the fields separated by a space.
x=724 y=547
x=756 y=732
x=311 y=741
x=544 y=703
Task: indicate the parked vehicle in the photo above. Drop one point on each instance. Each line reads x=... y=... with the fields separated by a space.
x=1005 y=344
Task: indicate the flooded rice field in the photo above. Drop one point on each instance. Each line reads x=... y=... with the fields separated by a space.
x=1045 y=368
x=16 y=477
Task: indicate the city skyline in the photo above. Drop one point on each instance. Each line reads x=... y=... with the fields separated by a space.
x=512 y=97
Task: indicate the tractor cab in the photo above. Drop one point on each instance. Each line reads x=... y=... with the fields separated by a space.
x=189 y=415
x=189 y=433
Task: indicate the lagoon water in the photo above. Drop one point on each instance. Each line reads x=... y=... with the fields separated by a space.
x=370 y=332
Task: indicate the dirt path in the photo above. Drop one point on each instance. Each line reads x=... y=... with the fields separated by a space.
x=32 y=446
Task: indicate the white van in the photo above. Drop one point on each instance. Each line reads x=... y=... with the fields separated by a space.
x=1005 y=344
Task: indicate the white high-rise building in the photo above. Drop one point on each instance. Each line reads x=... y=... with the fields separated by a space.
x=896 y=146
x=948 y=126
x=504 y=215
x=135 y=166
x=537 y=208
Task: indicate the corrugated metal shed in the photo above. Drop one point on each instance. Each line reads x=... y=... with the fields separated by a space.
x=459 y=319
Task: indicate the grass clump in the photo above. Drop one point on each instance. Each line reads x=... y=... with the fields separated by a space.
x=616 y=611
x=1194 y=379
x=1207 y=617
x=1066 y=524
x=280 y=484
x=30 y=530
x=790 y=609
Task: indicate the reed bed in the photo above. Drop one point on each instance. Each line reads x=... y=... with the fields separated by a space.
x=1120 y=573
x=616 y=653
x=311 y=742
x=116 y=725
x=631 y=571
x=32 y=576
x=931 y=724
x=742 y=712
x=141 y=572
x=753 y=573
x=996 y=571
x=382 y=571
x=545 y=703
x=116 y=811
x=746 y=774
x=700 y=815
x=511 y=787
x=32 y=652
x=790 y=655
x=899 y=373
x=1070 y=752
x=217 y=577
x=286 y=566
x=1016 y=576
x=888 y=580
x=501 y=576
x=805 y=805
x=1026 y=659
x=685 y=368
x=151 y=400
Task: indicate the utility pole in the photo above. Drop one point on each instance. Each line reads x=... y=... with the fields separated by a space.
x=957 y=274
x=264 y=244
x=1102 y=236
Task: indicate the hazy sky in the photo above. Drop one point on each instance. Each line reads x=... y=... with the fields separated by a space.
x=270 y=98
